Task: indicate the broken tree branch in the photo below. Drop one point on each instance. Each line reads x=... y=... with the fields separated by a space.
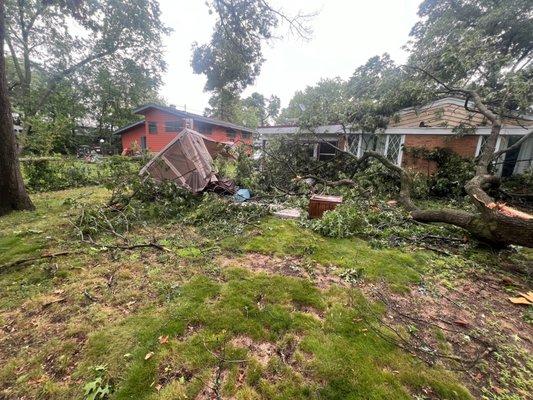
x=103 y=248
x=497 y=154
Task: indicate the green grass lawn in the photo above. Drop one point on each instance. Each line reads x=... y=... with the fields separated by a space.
x=147 y=324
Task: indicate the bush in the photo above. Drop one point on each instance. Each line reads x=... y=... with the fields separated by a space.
x=452 y=173
x=244 y=168
x=42 y=175
x=346 y=220
x=50 y=174
x=522 y=183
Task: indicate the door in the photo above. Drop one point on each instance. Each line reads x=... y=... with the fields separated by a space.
x=511 y=157
x=143 y=143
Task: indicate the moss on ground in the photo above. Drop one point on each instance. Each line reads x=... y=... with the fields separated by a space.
x=335 y=356
x=284 y=237
x=159 y=325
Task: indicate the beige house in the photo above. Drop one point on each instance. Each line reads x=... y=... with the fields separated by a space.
x=431 y=126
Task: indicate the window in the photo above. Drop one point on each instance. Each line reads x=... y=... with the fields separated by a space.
x=143 y=143
x=231 y=133
x=152 y=127
x=310 y=149
x=394 y=147
x=368 y=143
x=481 y=144
x=203 y=128
x=373 y=142
x=327 y=150
x=173 y=126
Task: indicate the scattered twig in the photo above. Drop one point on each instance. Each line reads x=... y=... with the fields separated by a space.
x=59 y=300
x=103 y=248
x=89 y=296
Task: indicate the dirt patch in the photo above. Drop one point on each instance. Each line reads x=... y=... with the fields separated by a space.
x=311 y=311
x=472 y=328
x=191 y=330
x=321 y=276
x=168 y=373
x=262 y=351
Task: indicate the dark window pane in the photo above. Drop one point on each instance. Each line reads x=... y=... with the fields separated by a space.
x=231 y=133
x=173 y=126
x=152 y=127
x=326 y=150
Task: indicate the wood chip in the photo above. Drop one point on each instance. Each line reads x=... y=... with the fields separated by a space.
x=520 y=300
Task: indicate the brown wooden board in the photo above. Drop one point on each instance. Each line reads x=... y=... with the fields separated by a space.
x=318 y=205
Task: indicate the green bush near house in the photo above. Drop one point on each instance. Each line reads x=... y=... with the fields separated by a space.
x=51 y=174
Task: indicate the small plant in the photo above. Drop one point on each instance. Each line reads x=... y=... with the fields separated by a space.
x=352 y=275
x=345 y=221
x=97 y=389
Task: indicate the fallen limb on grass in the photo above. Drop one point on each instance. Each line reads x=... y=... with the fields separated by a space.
x=103 y=248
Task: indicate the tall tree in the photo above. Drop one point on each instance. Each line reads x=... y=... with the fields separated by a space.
x=479 y=50
x=59 y=41
x=366 y=101
x=13 y=195
x=266 y=109
x=233 y=58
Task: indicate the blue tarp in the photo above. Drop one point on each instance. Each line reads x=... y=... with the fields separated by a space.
x=242 y=195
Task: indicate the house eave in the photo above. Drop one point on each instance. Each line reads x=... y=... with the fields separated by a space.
x=197 y=117
x=122 y=130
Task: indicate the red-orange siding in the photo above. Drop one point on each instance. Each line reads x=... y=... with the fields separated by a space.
x=156 y=141
x=132 y=138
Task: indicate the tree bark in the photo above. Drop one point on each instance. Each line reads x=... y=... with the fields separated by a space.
x=13 y=195
x=495 y=224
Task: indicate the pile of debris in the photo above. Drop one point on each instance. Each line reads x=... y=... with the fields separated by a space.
x=188 y=161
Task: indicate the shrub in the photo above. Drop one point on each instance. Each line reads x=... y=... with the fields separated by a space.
x=50 y=174
x=346 y=220
x=522 y=183
x=452 y=173
x=244 y=168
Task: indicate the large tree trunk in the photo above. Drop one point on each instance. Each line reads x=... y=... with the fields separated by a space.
x=493 y=223
x=13 y=195
x=492 y=226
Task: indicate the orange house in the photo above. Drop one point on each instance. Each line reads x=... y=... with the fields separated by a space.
x=161 y=124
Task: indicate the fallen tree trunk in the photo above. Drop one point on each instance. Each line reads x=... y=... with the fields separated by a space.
x=493 y=223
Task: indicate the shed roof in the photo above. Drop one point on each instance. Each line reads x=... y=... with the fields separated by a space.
x=187 y=160
x=128 y=127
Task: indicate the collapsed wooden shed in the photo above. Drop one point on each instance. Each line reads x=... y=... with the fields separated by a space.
x=187 y=160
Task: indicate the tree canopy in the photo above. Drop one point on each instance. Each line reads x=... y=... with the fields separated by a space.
x=96 y=58
x=483 y=45
x=233 y=58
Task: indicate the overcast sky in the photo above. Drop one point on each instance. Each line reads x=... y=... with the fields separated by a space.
x=345 y=34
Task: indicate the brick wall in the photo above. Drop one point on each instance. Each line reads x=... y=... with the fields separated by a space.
x=464 y=146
